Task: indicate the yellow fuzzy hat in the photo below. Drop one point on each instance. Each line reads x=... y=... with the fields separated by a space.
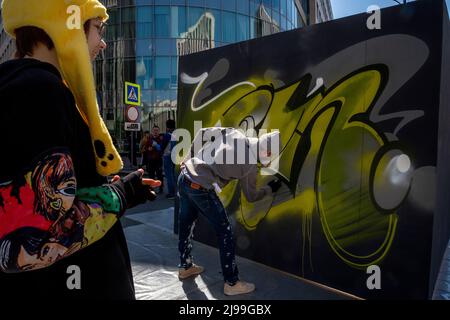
x=54 y=16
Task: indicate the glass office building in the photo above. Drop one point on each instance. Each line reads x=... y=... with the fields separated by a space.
x=145 y=38
x=7 y=45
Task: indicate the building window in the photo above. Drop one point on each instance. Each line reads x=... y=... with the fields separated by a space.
x=162 y=73
x=162 y=26
x=213 y=4
x=144 y=22
x=276 y=5
x=289 y=9
x=283 y=7
x=144 y=72
x=194 y=16
x=243 y=32
x=144 y=47
x=229 y=5
x=196 y=3
x=165 y=47
x=229 y=27
x=243 y=7
x=178 y=21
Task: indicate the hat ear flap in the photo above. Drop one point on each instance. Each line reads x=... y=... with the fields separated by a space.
x=73 y=55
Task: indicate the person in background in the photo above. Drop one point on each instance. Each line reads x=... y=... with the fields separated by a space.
x=198 y=185
x=154 y=154
x=169 y=166
x=143 y=149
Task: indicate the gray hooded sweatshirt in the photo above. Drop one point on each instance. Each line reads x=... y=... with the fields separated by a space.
x=219 y=155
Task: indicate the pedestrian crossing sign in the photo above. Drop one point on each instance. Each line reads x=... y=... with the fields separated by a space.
x=132 y=94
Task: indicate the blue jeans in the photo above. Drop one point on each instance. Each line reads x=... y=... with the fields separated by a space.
x=169 y=173
x=209 y=205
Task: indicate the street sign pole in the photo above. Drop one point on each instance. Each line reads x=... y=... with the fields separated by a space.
x=132 y=149
x=132 y=98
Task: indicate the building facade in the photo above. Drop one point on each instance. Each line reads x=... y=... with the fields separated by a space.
x=145 y=38
x=7 y=46
x=322 y=10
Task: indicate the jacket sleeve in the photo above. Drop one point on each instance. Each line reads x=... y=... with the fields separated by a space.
x=249 y=188
x=44 y=217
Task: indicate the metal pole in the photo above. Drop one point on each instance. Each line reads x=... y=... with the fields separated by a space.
x=132 y=149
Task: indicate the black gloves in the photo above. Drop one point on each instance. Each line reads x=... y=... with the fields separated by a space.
x=131 y=190
x=275 y=185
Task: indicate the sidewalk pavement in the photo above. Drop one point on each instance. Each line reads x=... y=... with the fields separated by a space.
x=154 y=257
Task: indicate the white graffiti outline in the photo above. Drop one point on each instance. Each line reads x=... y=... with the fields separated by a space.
x=200 y=80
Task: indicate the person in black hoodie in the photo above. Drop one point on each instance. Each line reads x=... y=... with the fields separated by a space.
x=56 y=207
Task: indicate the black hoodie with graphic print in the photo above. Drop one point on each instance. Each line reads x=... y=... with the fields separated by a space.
x=55 y=210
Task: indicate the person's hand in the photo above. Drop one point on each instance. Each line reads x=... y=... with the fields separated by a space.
x=133 y=189
x=275 y=185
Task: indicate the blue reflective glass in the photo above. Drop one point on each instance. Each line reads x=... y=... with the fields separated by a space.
x=144 y=30
x=162 y=21
x=144 y=47
x=289 y=9
x=142 y=2
x=283 y=23
x=283 y=7
x=213 y=4
x=162 y=67
x=144 y=22
x=144 y=14
x=243 y=6
x=229 y=5
x=243 y=32
x=254 y=8
x=276 y=5
x=276 y=18
x=178 y=21
x=162 y=72
x=196 y=3
x=165 y=47
x=229 y=27
x=144 y=72
x=178 y=2
x=253 y=28
x=294 y=18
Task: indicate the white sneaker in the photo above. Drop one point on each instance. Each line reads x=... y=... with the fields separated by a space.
x=240 y=287
x=192 y=271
